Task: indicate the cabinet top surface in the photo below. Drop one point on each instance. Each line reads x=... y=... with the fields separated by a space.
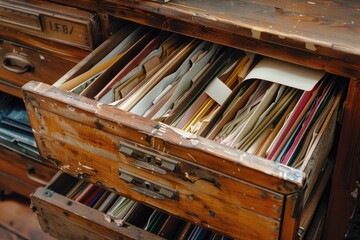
x=330 y=24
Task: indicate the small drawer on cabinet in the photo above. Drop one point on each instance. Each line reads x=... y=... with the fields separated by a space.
x=88 y=211
x=51 y=21
x=173 y=160
x=25 y=169
x=20 y=64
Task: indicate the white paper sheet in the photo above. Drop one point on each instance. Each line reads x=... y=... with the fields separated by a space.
x=286 y=73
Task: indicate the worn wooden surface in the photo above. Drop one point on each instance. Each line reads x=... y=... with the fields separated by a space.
x=10 y=89
x=46 y=68
x=10 y=184
x=63 y=51
x=87 y=151
x=345 y=184
x=298 y=32
x=91 y=115
x=51 y=21
x=65 y=219
x=319 y=34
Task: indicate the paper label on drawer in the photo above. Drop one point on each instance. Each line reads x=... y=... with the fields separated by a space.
x=69 y=31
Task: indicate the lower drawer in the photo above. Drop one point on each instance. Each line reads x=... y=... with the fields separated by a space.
x=24 y=169
x=10 y=184
x=69 y=209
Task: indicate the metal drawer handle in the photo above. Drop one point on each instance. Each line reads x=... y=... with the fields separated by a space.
x=17 y=63
x=31 y=175
x=148 y=160
x=147 y=187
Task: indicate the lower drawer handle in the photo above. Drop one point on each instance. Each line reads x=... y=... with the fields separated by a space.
x=147 y=187
x=33 y=177
x=17 y=63
x=148 y=193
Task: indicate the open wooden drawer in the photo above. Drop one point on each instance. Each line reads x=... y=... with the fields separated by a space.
x=217 y=187
x=57 y=210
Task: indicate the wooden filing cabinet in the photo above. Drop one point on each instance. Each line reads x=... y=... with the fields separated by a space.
x=207 y=182
x=35 y=44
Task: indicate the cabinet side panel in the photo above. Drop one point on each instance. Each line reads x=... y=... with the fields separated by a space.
x=347 y=167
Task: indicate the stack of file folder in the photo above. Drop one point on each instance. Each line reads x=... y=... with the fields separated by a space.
x=263 y=106
x=15 y=131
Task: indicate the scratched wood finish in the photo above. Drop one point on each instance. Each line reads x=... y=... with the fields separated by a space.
x=313 y=44
x=89 y=152
x=65 y=219
x=69 y=53
x=292 y=212
x=46 y=68
x=347 y=167
x=91 y=158
x=301 y=32
x=89 y=113
x=51 y=21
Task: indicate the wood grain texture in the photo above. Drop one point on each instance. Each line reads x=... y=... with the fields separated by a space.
x=201 y=151
x=298 y=32
x=52 y=21
x=96 y=158
x=70 y=53
x=10 y=89
x=65 y=219
x=347 y=167
x=291 y=219
x=24 y=169
x=10 y=184
x=46 y=67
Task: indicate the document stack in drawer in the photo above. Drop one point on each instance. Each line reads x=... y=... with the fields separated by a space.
x=15 y=131
x=214 y=135
x=273 y=110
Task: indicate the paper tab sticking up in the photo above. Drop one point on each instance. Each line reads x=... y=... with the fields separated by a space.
x=286 y=74
x=218 y=91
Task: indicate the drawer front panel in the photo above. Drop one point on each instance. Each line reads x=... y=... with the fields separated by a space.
x=201 y=151
x=12 y=184
x=51 y=21
x=66 y=219
x=20 y=65
x=24 y=169
x=101 y=156
x=203 y=203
